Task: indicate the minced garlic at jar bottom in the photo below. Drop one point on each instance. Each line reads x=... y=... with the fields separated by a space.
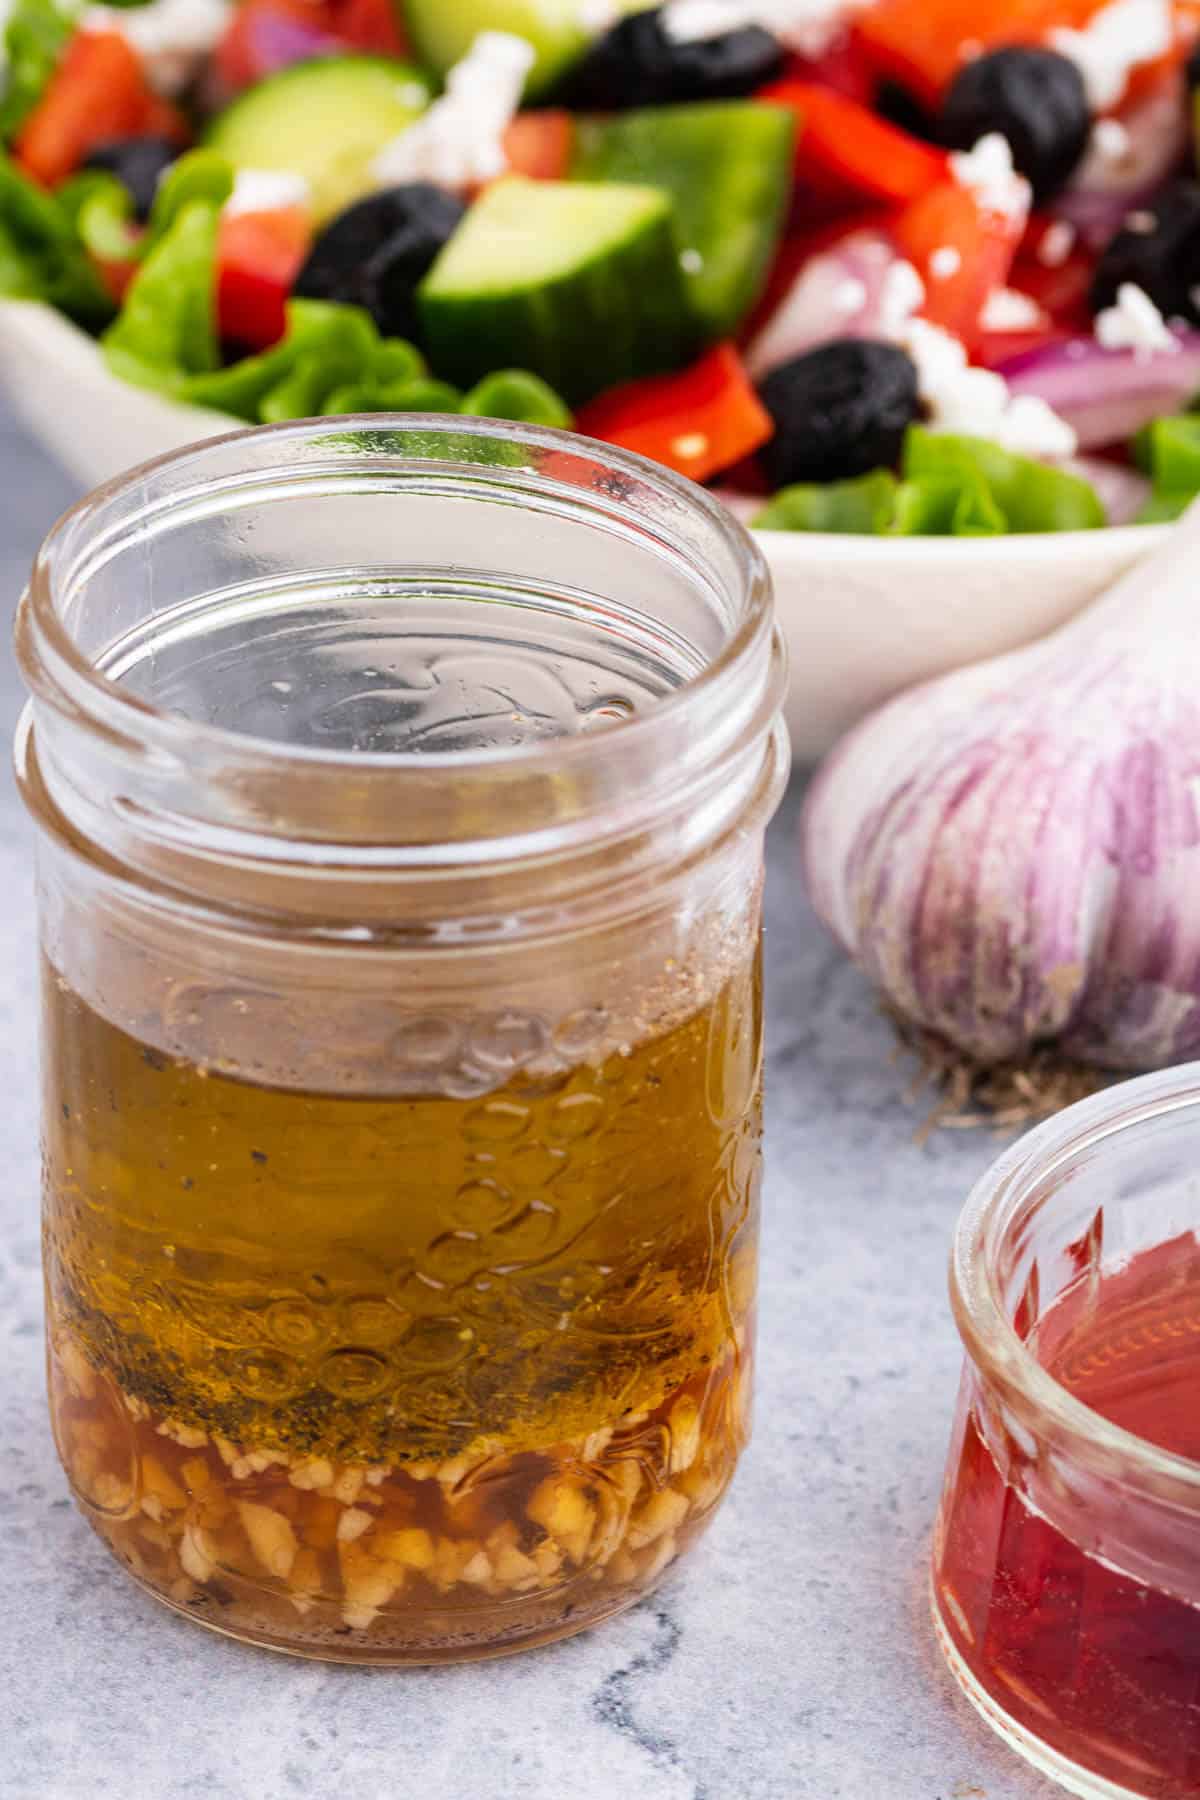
x=402 y=1379
x=398 y=1563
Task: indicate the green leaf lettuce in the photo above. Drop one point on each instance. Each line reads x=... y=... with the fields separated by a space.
x=41 y=254
x=950 y=486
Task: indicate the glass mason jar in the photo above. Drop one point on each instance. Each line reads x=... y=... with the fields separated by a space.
x=400 y=788
x=1066 y=1570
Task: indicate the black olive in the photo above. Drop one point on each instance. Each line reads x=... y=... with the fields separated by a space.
x=1158 y=249
x=839 y=410
x=374 y=254
x=900 y=106
x=138 y=163
x=1035 y=98
x=638 y=63
x=1193 y=70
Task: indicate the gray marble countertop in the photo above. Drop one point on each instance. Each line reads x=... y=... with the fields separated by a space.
x=792 y=1658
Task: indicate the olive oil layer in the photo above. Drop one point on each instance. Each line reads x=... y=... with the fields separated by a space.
x=382 y=1280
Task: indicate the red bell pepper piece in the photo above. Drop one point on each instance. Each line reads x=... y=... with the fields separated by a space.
x=842 y=68
x=699 y=421
x=538 y=144
x=922 y=43
x=846 y=151
x=1061 y=286
x=98 y=92
x=258 y=258
x=949 y=218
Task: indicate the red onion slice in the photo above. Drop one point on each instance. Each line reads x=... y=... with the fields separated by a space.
x=836 y=294
x=1103 y=189
x=277 y=41
x=1107 y=395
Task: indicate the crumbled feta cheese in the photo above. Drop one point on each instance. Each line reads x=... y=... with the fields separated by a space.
x=1118 y=160
x=1113 y=44
x=809 y=27
x=1142 y=221
x=945 y=261
x=171 y=37
x=1031 y=427
x=266 y=190
x=598 y=16
x=691 y=21
x=1110 y=140
x=691 y=261
x=977 y=401
x=1134 y=323
x=988 y=172
x=1057 y=244
x=459 y=141
x=1006 y=309
x=901 y=293
x=850 y=296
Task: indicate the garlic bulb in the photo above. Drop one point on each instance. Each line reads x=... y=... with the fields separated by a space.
x=1012 y=852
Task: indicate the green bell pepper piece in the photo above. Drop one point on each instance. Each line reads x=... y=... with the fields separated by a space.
x=1031 y=495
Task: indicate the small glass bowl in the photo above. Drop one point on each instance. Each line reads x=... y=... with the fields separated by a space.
x=1066 y=1563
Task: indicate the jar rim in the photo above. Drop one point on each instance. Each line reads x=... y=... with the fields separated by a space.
x=991 y=1340
x=51 y=659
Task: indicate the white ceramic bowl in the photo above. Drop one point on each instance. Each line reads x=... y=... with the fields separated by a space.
x=863 y=616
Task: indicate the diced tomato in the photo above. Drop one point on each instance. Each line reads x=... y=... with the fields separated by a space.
x=1061 y=293
x=846 y=151
x=539 y=144
x=960 y=250
x=161 y=119
x=921 y=43
x=258 y=258
x=372 y=25
x=746 y=477
x=116 y=276
x=702 y=420
x=996 y=347
x=842 y=68
x=98 y=92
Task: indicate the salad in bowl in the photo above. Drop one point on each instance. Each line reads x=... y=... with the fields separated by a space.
x=876 y=267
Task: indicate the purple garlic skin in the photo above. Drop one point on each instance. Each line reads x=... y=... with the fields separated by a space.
x=1012 y=852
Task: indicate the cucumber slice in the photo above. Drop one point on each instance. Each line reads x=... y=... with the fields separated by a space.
x=727 y=165
x=442 y=31
x=325 y=120
x=578 y=282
